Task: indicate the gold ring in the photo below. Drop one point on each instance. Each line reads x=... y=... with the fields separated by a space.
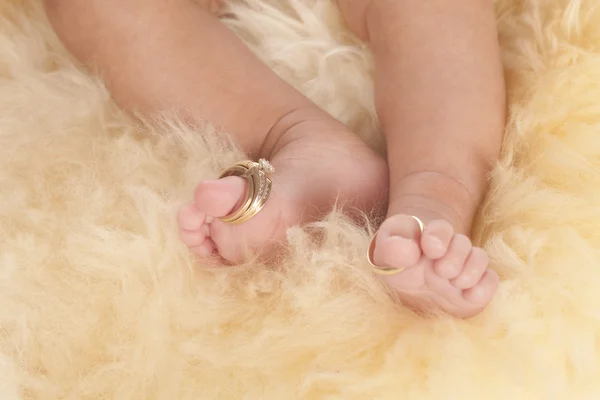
x=383 y=270
x=258 y=176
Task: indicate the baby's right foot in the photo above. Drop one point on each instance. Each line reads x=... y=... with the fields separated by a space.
x=443 y=270
x=317 y=161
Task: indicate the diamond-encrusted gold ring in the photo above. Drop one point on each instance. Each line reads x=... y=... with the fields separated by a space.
x=258 y=174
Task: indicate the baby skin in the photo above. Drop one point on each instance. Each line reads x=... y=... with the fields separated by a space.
x=440 y=99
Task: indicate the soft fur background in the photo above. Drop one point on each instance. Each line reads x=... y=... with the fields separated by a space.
x=99 y=299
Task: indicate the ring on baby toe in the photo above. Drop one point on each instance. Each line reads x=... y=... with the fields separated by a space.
x=258 y=176
x=387 y=271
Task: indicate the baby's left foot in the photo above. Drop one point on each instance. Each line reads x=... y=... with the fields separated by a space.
x=443 y=270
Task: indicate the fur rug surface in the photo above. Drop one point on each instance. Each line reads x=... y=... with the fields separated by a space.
x=100 y=300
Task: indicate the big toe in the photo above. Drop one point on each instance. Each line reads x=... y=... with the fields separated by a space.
x=236 y=243
x=396 y=244
x=217 y=198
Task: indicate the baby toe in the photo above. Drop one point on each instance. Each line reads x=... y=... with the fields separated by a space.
x=396 y=243
x=484 y=290
x=451 y=264
x=192 y=238
x=436 y=239
x=218 y=198
x=190 y=218
x=396 y=252
x=473 y=269
x=205 y=249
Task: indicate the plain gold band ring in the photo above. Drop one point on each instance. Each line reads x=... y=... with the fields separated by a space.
x=384 y=270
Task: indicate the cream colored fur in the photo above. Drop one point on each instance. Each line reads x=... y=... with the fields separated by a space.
x=100 y=300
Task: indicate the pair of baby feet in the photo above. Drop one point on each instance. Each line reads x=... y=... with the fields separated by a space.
x=318 y=161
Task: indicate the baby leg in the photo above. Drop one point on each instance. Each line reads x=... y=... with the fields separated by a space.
x=441 y=100
x=161 y=55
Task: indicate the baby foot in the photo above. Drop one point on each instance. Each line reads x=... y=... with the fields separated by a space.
x=443 y=269
x=317 y=162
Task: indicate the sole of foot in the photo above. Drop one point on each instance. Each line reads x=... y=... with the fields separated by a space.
x=317 y=161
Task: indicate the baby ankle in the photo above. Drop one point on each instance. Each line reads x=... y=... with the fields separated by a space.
x=277 y=137
x=433 y=195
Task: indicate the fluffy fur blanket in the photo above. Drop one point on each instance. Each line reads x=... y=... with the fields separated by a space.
x=100 y=300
